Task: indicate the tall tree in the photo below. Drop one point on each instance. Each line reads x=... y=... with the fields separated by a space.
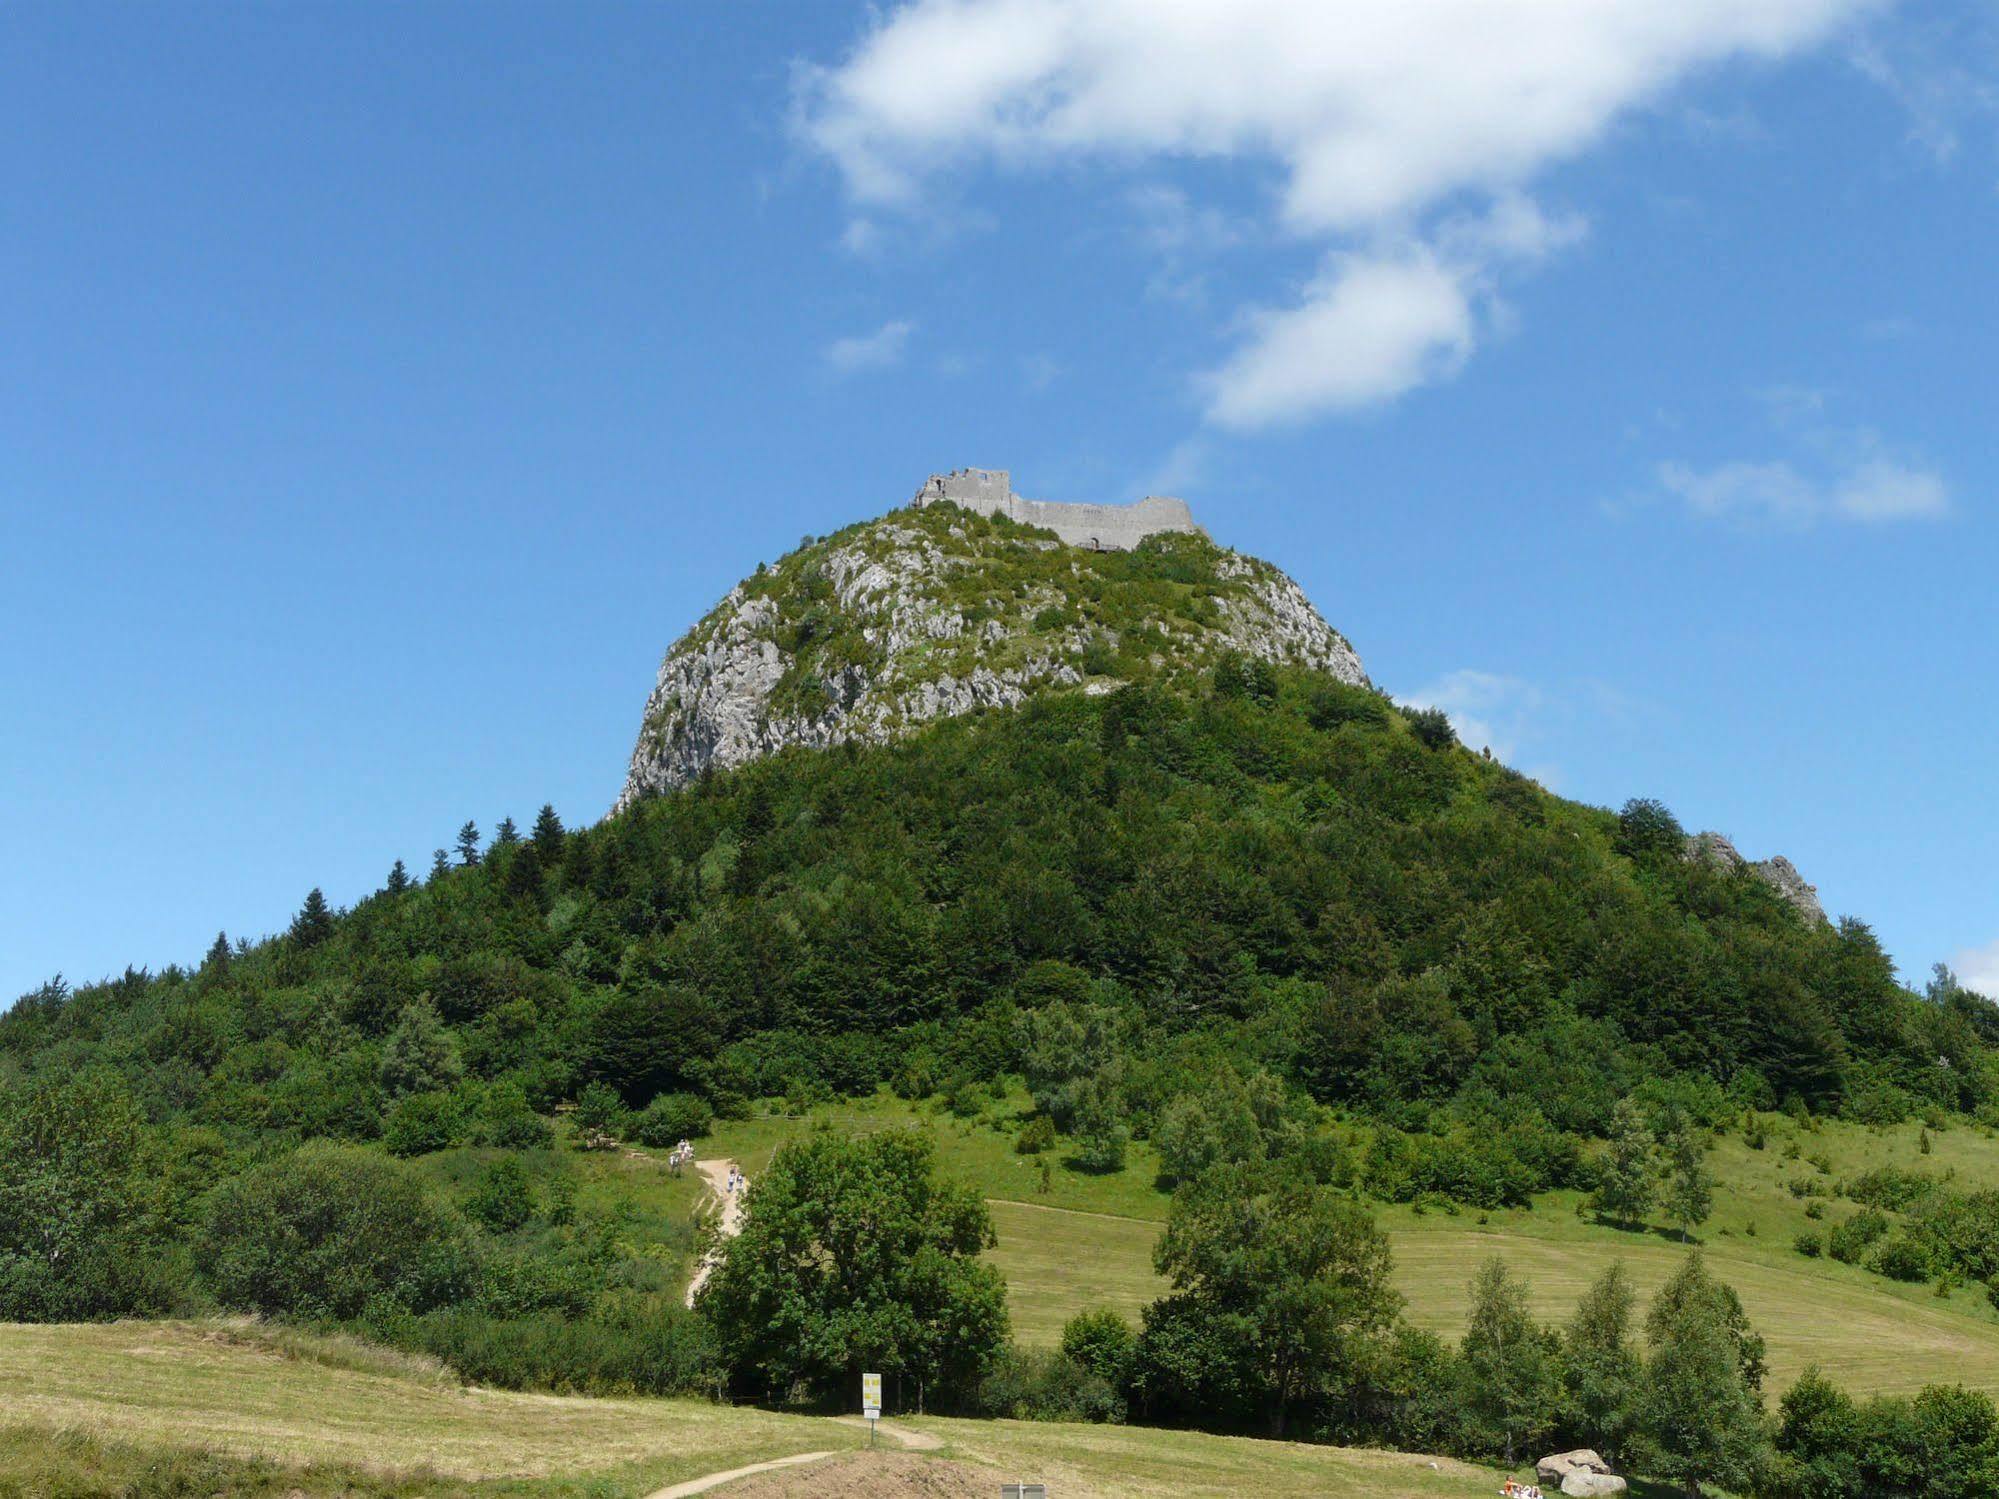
x=1600 y=1368
x=1700 y=1415
x=419 y=1054
x=1278 y=1285
x=399 y=878
x=855 y=1256
x=314 y=922
x=468 y=843
x=506 y=835
x=1509 y=1367
x=217 y=961
x=440 y=864
x=548 y=836
x=1688 y=1190
x=1624 y=1180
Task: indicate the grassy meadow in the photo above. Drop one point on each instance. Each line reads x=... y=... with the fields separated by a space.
x=234 y=1408
x=1086 y=1241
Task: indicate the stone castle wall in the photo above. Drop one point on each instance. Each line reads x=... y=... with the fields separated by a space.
x=1111 y=528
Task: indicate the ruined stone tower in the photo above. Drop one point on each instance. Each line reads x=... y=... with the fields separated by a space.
x=1104 y=528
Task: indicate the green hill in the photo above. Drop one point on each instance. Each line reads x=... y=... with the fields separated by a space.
x=1193 y=895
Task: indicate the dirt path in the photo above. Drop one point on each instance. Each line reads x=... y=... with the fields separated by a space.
x=915 y=1441
x=716 y=1173
x=716 y=1480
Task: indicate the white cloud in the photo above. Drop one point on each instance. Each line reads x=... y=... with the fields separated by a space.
x=1377 y=114
x=1852 y=478
x=1977 y=968
x=878 y=350
x=1369 y=329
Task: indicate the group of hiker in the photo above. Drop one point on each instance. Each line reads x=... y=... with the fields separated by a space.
x=1513 y=1490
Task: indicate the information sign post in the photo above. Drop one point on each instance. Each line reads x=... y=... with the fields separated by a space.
x=871 y=1402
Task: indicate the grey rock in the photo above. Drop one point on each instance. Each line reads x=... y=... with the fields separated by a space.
x=1592 y=1483
x=1779 y=873
x=1559 y=1465
x=716 y=702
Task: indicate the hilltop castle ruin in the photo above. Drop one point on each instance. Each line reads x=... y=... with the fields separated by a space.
x=1103 y=528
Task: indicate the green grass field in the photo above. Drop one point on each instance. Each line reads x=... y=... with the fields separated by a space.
x=233 y=1408
x=1087 y=1241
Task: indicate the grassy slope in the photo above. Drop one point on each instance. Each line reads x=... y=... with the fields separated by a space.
x=118 y=1397
x=1088 y=1241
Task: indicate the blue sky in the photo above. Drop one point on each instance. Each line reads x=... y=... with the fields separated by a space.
x=387 y=386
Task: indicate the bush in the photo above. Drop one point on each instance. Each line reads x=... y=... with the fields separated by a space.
x=1332 y=704
x=328 y=1230
x=664 y=1350
x=505 y=1119
x=1039 y=1385
x=1037 y=1135
x=1432 y=727
x=1647 y=829
x=1101 y=1342
x=504 y=1198
x=1901 y=1258
x=1848 y=1241
x=671 y=1118
x=422 y=1123
x=1810 y=1245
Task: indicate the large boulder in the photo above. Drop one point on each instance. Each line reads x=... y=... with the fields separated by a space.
x=1592 y=1483
x=1560 y=1465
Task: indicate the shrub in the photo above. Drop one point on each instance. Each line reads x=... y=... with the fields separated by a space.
x=505 y=1119
x=1647 y=829
x=599 y=1115
x=1848 y=1241
x=1901 y=1258
x=1102 y=1342
x=327 y=1230
x=1037 y=1135
x=1039 y=1385
x=1432 y=727
x=1335 y=703
x=504 y=1198
x=671 y=1118
x=423 y=1122
x=1811 y=1245
x=665 y=1350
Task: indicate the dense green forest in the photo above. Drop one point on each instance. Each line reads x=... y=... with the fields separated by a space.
x=1263 y=920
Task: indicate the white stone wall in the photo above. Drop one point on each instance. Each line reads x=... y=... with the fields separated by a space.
x=1116 y=528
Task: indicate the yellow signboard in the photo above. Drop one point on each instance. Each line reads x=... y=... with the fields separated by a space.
x=871 y=1395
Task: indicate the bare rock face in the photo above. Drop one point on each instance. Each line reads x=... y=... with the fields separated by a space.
x=1778 y=872
x=936 y=611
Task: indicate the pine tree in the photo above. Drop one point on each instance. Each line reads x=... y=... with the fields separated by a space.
x=440 y=864
x=217 y=961
x=399 y=878
x=506 y=835
x=314 y=922
x=1689 y=1186
x=1510 y=1374
x=548 y=836
x=1624 y=1181
x=1700 y=1416
x=468 y=843
x=1601 y=1368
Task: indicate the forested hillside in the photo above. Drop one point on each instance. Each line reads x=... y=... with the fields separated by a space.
x=1302 y=942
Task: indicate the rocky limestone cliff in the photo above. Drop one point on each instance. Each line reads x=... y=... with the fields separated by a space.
x=935 y=611
x=1779 y=873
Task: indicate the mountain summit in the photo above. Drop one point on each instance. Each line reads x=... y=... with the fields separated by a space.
x=967 y=598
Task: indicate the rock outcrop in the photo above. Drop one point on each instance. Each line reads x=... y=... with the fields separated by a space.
x=1582 y=1471
x=1778 y=872
x=934 y=611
